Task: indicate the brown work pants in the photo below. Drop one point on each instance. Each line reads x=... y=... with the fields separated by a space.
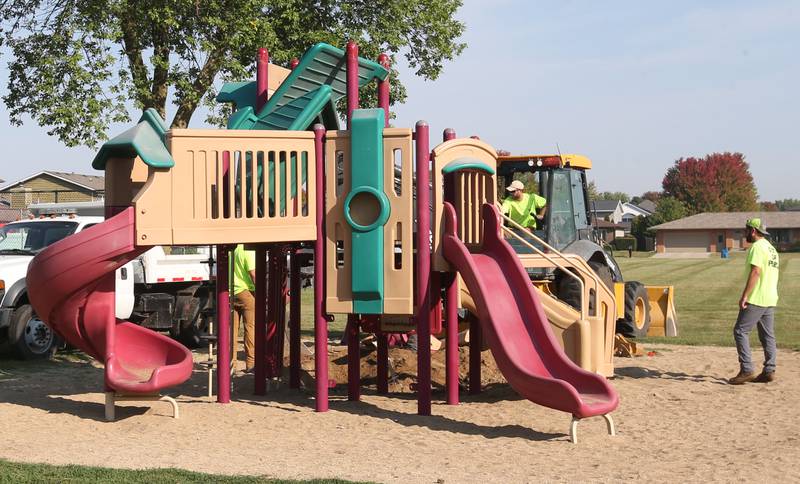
x=244 y=305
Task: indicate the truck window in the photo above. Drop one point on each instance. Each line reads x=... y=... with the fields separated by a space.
x=31 y=237
x=562 y=219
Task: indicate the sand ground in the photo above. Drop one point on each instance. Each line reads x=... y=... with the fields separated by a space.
x=677 y=421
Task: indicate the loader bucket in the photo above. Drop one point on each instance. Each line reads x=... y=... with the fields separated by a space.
x=663 y=318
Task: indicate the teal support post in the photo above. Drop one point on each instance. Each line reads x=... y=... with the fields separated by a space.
x=366 y=209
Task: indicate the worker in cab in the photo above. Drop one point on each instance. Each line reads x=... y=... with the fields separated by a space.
x=526 y=209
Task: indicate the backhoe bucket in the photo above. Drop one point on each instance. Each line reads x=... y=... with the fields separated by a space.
x=663 y=318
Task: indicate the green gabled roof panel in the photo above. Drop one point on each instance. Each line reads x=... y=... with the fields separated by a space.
x=146 y=140
x=241 y=94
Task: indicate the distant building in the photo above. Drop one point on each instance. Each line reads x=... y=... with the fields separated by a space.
x=609 y=210
x=648 y=205
x=712 y=231
x=631 y=211
x=53 y=187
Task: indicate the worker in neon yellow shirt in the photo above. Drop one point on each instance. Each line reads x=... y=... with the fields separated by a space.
x=523 y=208
x=757 y=305
x=243 y=288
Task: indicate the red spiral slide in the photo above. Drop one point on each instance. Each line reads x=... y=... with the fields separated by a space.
x=71 y=287
x=516 y=326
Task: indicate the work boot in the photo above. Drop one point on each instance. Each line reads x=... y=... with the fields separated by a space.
x=742 y=378
x=765 y=377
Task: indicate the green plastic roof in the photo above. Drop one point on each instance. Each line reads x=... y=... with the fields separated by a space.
x=321 y=66
x=147 y=140
x=463 y=164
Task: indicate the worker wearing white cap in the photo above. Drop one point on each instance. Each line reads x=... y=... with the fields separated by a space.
x=523 y=208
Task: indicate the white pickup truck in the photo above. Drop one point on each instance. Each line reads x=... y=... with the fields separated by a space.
x=166 y=288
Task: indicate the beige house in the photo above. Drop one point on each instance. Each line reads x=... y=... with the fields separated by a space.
x=712 y=231
x=52 y=187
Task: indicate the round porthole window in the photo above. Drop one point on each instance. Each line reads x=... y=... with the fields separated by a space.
x=366 y=208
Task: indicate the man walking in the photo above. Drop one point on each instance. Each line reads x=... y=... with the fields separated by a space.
x=757 y=305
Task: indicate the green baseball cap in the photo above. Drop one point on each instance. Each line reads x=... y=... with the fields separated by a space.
x=756 y=223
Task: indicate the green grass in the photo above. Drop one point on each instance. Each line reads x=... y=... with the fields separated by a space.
x=707 y=292
x=12 y=472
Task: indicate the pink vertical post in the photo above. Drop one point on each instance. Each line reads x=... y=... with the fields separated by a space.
x=448 y=134
x=294 y=321
x=262 y=78
x=223 y=327
x=451 y=340
x=383 y=89
x=383 y=362
x=260 y=385
x=280 y=333
x=423 y=269
x=293 y=63
x=273 y=312
x=320 y=321
x=353 y=359
x=351 y=52
x=475 y=344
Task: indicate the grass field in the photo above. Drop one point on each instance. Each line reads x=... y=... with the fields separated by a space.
x=13 y=472
x=707 y=292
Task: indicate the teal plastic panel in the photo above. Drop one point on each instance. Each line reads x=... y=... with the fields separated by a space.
x=146 y=140
x=463 y=164
x=366 y=257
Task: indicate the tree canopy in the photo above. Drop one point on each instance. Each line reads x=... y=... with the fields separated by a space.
x=719 y=182
x=667 y=210
x=75 y=64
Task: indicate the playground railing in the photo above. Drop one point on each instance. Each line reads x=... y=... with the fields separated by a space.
x=234 y=186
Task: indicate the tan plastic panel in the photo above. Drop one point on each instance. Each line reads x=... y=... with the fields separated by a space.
x=442 y=155
x=124 y=178
x=193 y=203
x=398 y=282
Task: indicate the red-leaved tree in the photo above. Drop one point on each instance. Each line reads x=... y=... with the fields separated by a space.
x=719 y=182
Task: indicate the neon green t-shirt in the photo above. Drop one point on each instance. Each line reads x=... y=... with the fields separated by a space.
x=524 y=211
x=764 y=256
x=243 y=262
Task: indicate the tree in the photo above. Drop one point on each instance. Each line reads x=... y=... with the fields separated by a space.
x=768 y=206
x=668 y=209
x=720 y=182
x=75 y=64
x=591 y=189
x=788 y=204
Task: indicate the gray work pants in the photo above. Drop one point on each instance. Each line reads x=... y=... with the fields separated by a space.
x=765 y=319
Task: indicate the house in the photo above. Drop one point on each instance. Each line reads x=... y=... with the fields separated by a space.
x=648 y=205
x=610 y=210
x=712 y=231
x=631 y=211
x=53 y=187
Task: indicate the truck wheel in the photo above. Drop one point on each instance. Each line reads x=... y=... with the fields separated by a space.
x=29 y=336
x=637 y=311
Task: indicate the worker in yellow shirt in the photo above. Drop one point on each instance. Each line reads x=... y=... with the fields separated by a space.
x=526 y=209
x=244 y=302
x=757 y=305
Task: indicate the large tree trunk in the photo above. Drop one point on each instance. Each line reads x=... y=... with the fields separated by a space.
x=202 y=83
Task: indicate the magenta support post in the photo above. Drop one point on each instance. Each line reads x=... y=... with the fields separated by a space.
x=448 y=134
x=475 y=344
x=353 y=359
x=320 y=318
x=352 y=79
x=451 y=340
x=383 y=90
x=383 y=362
x=260 y=385
x=293 y=63
x=262 y=78
x=223 y=328
x=423 y=269
x=294 y=321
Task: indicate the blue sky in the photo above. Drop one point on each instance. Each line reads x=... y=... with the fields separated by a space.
x=633 y=85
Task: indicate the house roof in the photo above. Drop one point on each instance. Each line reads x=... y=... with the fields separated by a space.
x=635 y=210
x=89 y=182
x=603 y=205
x=648 y=205
x=732 y=220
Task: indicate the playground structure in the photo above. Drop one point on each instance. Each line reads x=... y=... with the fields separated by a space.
x=387 y=254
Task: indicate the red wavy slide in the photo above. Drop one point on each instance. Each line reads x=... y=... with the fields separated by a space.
x=516 y=326
x=71 y=287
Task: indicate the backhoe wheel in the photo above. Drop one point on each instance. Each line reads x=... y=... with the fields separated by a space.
x=29 y=336
x=637 y=311
x=569 y=291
